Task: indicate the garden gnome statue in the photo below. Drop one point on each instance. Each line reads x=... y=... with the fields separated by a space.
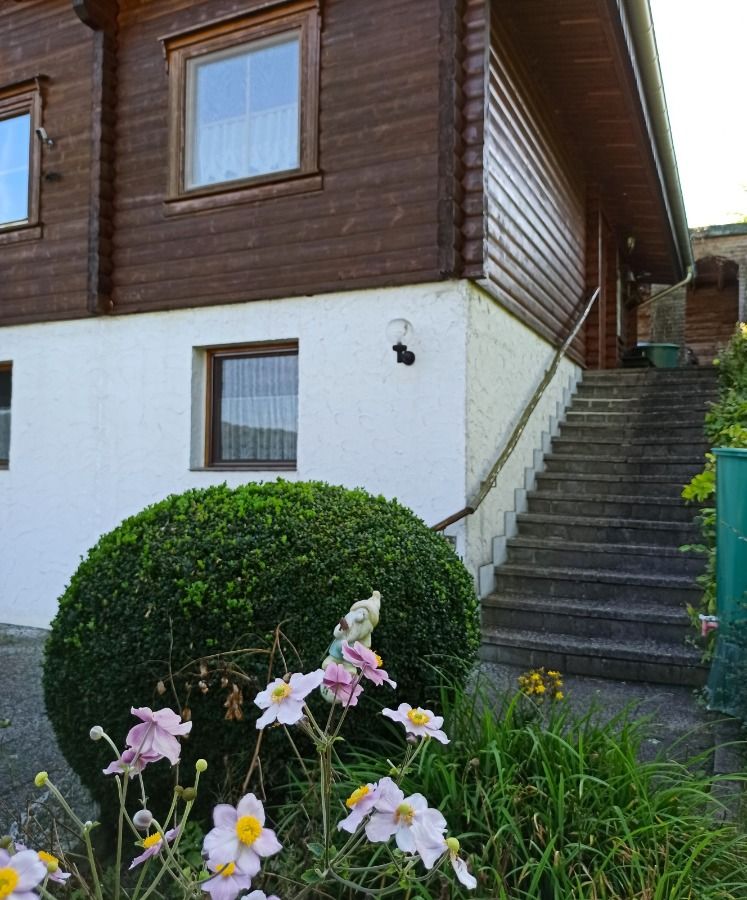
x=355 y=625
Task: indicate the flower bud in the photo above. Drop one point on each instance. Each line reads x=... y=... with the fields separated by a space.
x=453 y=845
x=6 y=841
x=96 y=733
x=178 y=790
x=201 y=765
x=189 y=794
x=41 y=779
x=142 y=819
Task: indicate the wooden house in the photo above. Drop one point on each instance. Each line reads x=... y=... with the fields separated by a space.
x=217 y=218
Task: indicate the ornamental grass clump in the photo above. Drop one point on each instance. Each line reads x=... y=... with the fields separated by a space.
x=180 y=604
x=552 y=805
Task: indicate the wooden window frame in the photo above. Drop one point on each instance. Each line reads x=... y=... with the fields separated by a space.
x=213 y=384
x=271 y=20
x=24 y=98
x=7 y=367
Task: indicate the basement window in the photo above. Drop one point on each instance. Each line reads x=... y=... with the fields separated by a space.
x=244 y=105
x=252 y=407
x=6 y=371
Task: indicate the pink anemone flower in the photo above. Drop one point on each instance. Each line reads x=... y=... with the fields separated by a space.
x=283 y=701
x=20 y=874
x=157 y=735
x=240 y=837
x=339 y=681
x=420 y=722
x=396 y=815
x=368 y=662
x=431 y=847
x=152 y=845
x=360 y=803
x=261 y=895
x=132 y=762
x=227 y=882
x=54 y=871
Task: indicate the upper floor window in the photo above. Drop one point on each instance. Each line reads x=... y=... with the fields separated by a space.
x=5 y=385
x=244 y=101
x=20 y=155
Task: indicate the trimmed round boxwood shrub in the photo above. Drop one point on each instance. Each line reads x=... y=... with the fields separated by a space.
x=151 y=613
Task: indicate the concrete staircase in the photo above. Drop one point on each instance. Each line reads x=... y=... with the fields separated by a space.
x=594 y=583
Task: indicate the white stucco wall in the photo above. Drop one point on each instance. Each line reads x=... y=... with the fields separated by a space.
x=505 y=362
x=102 y=417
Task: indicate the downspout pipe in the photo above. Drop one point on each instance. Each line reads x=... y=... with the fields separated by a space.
x=672 y=287
x=641 y=27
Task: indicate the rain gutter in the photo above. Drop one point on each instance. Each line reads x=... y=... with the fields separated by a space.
x=637 y=23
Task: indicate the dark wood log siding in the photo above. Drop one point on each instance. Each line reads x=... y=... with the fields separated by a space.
x=474 y=40
x=534 y=200
x=46 y=278
x=375 y=221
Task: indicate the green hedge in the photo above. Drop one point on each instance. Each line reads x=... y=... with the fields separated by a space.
x=215 y=570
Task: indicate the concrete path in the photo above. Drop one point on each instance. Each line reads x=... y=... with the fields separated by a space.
x=27 y=742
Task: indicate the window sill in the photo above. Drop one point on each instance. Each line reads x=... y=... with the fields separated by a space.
x=233 y=196
x=14 y=233
x=247 y=467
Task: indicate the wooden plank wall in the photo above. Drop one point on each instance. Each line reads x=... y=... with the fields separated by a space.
x=374 y=223
x=535 y=201
x=46 y=278
x=474 y=34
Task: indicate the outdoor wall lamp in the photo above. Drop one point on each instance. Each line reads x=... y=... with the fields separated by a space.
x=398 y=332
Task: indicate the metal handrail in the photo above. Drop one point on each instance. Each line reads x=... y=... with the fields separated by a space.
x=489 y=483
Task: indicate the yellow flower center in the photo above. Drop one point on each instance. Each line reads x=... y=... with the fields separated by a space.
x=379 y=661
x=357 y=796
x=453 y=845
x=404 y=814
x=418 y=717
x=248 y=830
x=151 y=840
x=228 y=870
x=51 y=862
x=280 y=693
x=9 y=879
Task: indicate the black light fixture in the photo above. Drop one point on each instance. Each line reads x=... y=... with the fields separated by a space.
x=398 y=331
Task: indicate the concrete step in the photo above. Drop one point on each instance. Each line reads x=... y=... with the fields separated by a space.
x=595 y=584
x=551 y=552
x=616 y=531
x=677 y=468
x=595 y=484
x=681 y=434
x=631 y=447
x=654 y=509
x=592 y=619
x=688 y=374
x=642 y=393
x=633 y=406
x=644 y=422
x=651 y=661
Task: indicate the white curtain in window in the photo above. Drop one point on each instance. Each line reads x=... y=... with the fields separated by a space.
x=4 y=433
x=259 y=408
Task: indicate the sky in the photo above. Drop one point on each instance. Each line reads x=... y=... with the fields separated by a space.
x=702 y=52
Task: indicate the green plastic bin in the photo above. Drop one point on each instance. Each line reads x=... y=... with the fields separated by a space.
x=662 y=356
x=727 y=684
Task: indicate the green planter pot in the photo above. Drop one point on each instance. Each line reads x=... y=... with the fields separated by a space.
x=663 y=356
x=726 y=684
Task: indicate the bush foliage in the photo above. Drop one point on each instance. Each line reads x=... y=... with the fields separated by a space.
x=725 y=426
x=153 y=614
